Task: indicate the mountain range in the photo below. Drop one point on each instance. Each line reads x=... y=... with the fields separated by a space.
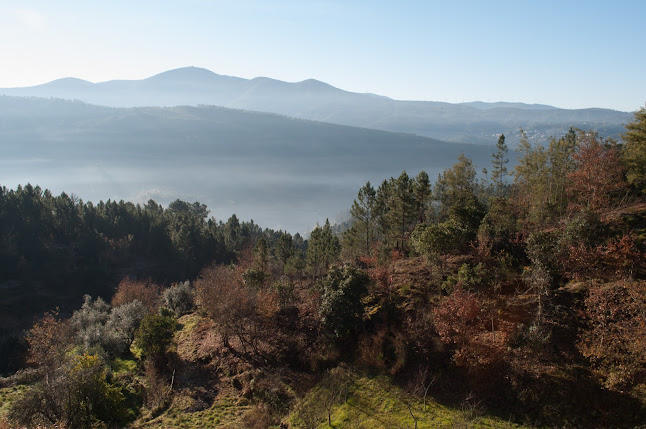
x=474 y=122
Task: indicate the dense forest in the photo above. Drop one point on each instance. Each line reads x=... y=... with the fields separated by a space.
x=511 y=297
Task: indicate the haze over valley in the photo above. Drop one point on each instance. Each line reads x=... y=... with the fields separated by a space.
x=283 y=173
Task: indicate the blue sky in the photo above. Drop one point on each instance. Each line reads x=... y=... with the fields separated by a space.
x=570 y=54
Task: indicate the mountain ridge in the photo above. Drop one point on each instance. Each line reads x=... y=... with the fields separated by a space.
x=311 y=99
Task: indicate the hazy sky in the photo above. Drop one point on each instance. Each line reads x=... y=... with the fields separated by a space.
x=569 y=54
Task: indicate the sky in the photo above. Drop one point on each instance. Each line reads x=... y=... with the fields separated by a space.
x=565 y=53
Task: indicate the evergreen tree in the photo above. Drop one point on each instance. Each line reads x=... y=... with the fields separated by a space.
x=455 y=185
x=561 y=163
x=323 y=249
x=363 y=227
x=634 y=154
x=401 y=213
x=499 y=161
x=422 y=194
x=531 y=179
x=284 y=248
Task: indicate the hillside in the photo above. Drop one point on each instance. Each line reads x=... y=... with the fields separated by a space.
x=464 y=302
x=475 y=122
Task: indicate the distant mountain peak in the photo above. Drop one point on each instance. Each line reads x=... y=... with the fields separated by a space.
x=66 y=82
x=193 y=73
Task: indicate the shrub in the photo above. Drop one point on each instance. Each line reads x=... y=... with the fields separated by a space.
x=76 y=395
x=341 y=306
x=155 y=335
x=180 y=298
x=615 y=341
x=104 y=330
x=130 y=290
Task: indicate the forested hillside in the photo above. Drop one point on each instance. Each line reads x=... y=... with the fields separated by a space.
x=513 y=299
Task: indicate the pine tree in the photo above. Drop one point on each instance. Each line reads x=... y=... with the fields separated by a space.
x=323 y=249
x=499 y=162
x=634 y=154
x=363 y=216
x=422 y=195
x=401 y=211
x=284 y=248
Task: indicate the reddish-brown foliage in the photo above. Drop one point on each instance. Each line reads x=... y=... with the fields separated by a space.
x=598 y=177
x=48 y=340
x=620 y=257
x=615 y=341
x=129 y=290
x=459 y=320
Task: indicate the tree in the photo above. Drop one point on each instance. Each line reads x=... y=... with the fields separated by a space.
x=284 y=248
x=130 y=290
x=258 y=274
x=455 y=185
x=363 y=230
x=499 y=162
x=78 y=395
x=401 y=213
x=561 y=163
x=422 y=195
x=323 y=249
x=48 y=341
x=155 y=335
x=598 y=175
x=531 y=179
x=180 y=298
x=634 y=153
x=341 y=306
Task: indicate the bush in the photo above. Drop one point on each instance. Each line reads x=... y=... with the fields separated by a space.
x=76 y=395
x=130 y=290
x=341 y=306
x=180 y=298
x=104 y=330
x=615 y=341
x=155 y=335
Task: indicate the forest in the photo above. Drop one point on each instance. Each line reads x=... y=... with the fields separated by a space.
x=507 y=297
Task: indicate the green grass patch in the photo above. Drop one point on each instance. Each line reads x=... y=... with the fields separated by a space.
x=226 y=412
x=374 y=402
x=123 y=366
x=7 y=396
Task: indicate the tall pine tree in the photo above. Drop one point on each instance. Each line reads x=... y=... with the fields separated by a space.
x=499 y=161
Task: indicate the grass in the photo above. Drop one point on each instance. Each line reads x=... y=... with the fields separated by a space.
x=226 y=412
x=374 y=402
x=7 y=396
x=123 y=366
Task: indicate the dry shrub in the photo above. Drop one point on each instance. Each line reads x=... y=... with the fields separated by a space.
x=615 y=342
x=256 y=418
x=232 y=305
x=158 y=391
x=48 y=341
x=386 y=350
x=145 y=292
x=461 y=321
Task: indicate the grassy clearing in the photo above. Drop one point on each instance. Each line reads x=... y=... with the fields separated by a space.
x=226 y=412
x=7 y=396
x=374 y=402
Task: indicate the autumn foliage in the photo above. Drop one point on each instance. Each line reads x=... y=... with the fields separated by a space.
x=598 y=177
x=615 y=342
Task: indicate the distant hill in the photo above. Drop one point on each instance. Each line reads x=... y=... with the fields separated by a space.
x=282 y=172
x=474 y=122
